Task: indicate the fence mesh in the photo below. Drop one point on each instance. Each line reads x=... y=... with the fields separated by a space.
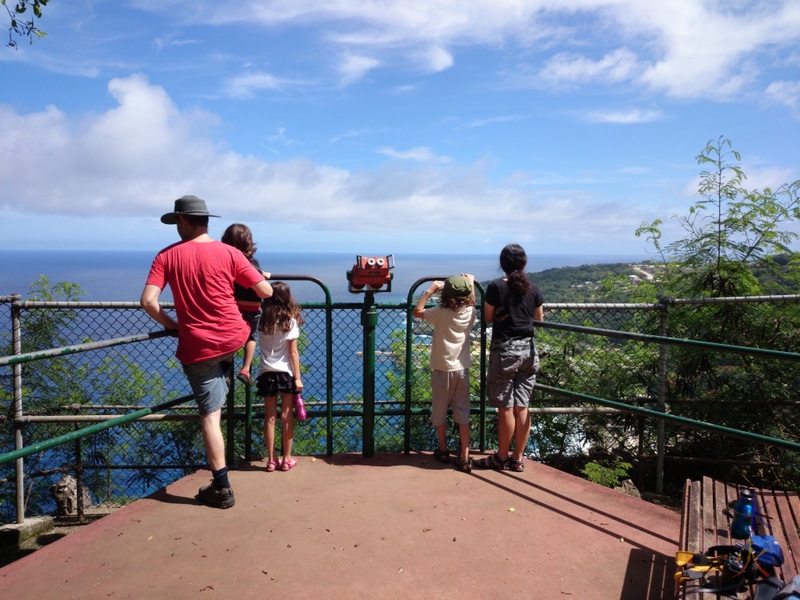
x=118 y=465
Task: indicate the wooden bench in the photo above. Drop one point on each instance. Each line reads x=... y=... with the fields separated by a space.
x=704 y=523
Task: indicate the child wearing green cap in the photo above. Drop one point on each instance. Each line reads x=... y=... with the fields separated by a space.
x=452 y=322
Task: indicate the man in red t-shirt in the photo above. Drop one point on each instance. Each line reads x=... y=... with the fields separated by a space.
x=201 y=272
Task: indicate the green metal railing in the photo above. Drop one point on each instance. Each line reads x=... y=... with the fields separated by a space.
x=365 y=419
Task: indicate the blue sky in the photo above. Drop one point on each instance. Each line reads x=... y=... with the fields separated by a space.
x=431 y=126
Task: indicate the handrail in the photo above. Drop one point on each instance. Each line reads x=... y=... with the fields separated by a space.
x=77 y=348
x=92 y=429
x=737 y=433
x=643 y=337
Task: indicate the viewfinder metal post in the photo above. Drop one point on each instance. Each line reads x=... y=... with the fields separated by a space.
x=370 y=274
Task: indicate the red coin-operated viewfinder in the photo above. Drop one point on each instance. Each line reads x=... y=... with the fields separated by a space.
x=371 y=274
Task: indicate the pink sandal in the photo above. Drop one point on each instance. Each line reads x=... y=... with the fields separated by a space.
x=271 y=466
x=288 y=464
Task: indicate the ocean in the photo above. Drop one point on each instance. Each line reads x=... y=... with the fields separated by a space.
x=120 y=275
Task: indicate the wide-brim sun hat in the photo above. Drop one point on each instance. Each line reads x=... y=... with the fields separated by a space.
x=187 y=205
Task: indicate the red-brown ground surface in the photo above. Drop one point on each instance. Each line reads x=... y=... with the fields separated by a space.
x=391 y=526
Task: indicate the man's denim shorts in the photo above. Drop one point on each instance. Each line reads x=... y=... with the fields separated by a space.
x=210 y=380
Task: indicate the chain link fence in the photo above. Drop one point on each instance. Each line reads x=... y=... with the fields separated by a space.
x=714 y=383
x=756 y=393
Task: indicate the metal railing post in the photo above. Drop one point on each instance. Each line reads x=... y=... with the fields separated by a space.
x=328 y=373
x=369 y=322
x=248 y=424
x=409 y=363
x=16 y=345
x=662 y=395
x=79 y=480
x=230 y=450
x=482 y=444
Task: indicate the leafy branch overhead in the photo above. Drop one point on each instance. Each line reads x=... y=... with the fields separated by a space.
x=23 y=23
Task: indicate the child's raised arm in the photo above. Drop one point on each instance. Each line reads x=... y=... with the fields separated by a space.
x=471 y=278
x=419 y=309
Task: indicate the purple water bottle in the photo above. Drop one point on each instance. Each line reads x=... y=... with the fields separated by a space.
x=299 y=407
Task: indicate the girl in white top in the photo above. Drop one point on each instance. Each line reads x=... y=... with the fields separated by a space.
x=279 y=372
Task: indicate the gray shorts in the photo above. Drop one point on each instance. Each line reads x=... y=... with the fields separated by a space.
x=512 y=373
x=450 y=388
x=210 y=380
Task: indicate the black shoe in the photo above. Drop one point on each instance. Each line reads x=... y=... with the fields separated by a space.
x=442 y=455
x=219 y=498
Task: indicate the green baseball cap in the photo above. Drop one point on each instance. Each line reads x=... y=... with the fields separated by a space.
x=457 y=286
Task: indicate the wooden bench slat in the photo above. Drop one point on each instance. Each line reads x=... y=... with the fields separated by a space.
x=694 y=526
x=788 y=509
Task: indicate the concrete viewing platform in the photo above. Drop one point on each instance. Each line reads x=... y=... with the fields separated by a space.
x=391 y=526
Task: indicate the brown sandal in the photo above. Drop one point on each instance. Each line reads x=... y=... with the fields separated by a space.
x=463 y=464
x=493 y=462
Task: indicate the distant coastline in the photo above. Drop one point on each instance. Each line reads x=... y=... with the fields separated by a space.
x=119 y=275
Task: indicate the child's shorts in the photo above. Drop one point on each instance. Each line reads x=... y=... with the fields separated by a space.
x=450 y=388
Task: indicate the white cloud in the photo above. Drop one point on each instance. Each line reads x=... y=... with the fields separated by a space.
x=786 y=93
x=494 y=120
x=684 y=48
x=171 y=39
x=132 y=161
x=619 y=65
x=418 y=153
x=353 y=67
x=624 y=117
x=355 y=133
x=700 y=49
x=436 y=59
x=247 y=84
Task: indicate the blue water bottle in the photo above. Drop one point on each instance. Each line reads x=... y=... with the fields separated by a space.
x=742 y=523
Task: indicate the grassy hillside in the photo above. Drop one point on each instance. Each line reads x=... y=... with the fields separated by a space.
x=613 y=282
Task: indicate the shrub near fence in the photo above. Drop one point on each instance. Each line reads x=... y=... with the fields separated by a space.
x=756 y=394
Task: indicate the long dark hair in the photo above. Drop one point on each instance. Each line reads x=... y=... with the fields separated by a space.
x=239 y=236
x=513 y=261
x=279 y=309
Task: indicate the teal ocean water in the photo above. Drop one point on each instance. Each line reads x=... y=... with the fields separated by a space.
x=120 y=275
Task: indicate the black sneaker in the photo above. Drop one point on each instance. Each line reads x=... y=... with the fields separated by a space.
x=219 y=498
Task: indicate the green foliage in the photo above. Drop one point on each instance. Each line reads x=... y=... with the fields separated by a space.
x=97 y=382
x=729 y=231
x=24 y=27
x=736 y=244
x=586 y=283
x=608 y=475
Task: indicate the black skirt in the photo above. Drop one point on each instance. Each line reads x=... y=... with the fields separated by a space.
x=273 y=383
